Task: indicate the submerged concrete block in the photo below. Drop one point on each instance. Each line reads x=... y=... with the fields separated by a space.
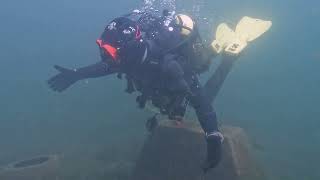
x=176 y=152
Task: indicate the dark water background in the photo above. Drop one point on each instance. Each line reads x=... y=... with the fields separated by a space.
x=272 y=92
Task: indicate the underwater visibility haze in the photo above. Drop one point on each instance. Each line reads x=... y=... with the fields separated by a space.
x=272 y=91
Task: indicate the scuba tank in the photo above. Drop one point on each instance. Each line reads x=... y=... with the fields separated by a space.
x=192 y=46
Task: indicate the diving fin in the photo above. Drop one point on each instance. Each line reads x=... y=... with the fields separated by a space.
x=247 y=30
x=235 y=47
x=224 y=36
x=233 y=42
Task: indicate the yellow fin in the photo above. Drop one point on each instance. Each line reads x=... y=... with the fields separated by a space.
x=248 y=29
x=224 y=36
x=235 y=47
x=233 y=42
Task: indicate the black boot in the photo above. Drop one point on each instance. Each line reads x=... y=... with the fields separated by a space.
x=214 y=150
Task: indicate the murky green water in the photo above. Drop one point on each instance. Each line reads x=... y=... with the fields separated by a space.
x=272 y=91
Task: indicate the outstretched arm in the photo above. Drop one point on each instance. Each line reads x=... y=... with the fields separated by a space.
x=66 y=77
x=95 y=70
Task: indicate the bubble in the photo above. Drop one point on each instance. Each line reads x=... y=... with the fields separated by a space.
x=153 y=5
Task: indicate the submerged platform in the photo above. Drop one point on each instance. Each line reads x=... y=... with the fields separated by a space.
x=176 y=152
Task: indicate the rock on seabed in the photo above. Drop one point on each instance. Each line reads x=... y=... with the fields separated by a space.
x=176 y=152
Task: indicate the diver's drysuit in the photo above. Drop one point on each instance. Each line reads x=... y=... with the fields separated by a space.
x=163 y=71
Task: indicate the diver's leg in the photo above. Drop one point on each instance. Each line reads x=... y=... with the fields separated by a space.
x=203 y=108
x=214 y=83
x=208 y=120
x=231 y=43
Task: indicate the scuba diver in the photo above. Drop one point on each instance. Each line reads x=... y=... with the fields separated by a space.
x=161 y=57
